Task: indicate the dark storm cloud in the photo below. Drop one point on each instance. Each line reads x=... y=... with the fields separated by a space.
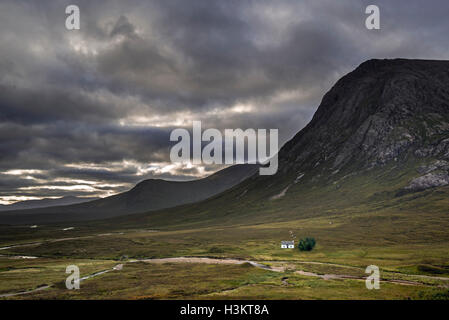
x=94 y=108
x=207 y=53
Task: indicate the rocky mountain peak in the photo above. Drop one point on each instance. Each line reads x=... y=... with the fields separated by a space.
x=384 y=110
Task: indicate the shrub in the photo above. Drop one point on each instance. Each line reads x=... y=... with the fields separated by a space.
x=306 y=244
x=216 y=250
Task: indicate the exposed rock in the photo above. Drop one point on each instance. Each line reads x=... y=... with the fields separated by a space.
x=427 y=181
x=299 y=177
x=281 y=194
x=437 y=165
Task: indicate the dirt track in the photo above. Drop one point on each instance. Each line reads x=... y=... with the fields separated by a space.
x=276 y=269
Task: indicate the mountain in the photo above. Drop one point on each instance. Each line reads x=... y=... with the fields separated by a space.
x=147 y=195
x=379 y=139
x=33 y=204
x=385 y=110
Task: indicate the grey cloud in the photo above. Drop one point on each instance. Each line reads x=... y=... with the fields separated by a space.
x=123 y=27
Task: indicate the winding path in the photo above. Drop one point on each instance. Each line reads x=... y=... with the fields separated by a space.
x=282 y=269
x=6 y=295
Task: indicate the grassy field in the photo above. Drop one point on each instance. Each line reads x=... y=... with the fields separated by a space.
x=360 y=223
x=403 y=255
x=142 y=280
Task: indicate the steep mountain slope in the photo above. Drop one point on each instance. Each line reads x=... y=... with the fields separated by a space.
x=33 y=204
x=150 y=194
x=380 y=135
x=384 y=110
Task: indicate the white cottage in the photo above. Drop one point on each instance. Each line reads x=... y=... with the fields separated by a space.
x=287 y=244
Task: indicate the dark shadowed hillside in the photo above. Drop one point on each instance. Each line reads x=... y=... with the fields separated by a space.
x=33 y=204
x=150 y=194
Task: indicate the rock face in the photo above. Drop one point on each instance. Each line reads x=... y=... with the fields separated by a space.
x=385 y=110
x=434 y=175
x=429 y=180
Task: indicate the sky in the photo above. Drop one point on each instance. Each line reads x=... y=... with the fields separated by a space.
x=89 y=112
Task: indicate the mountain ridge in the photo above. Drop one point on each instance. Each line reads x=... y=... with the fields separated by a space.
x=46 y=202
x=150 y=194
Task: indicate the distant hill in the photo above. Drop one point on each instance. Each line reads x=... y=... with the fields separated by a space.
x=42 y=203
x=147 y=195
